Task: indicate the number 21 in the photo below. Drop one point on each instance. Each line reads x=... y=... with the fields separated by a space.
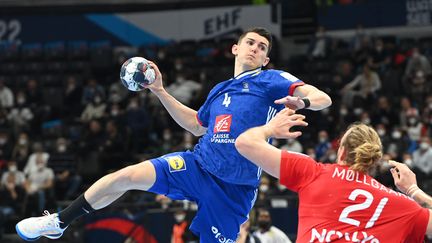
x=366 y=204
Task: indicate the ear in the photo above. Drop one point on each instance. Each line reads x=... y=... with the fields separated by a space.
x=234 y=49
x=342 y=154
x=266 y=61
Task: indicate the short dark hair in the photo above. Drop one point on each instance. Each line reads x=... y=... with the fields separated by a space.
x=260 y=31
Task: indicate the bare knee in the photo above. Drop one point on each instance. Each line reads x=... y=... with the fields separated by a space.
x=140 y=176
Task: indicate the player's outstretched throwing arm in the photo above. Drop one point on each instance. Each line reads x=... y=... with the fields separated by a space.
x=183 y=115
x=253 y=144
x=306 y=97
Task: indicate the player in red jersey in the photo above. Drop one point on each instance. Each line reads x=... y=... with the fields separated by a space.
x=339 y=202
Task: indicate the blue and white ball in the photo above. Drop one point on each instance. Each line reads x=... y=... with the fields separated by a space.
x=137 y=72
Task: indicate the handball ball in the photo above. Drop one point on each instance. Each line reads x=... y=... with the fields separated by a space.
x=137 y=72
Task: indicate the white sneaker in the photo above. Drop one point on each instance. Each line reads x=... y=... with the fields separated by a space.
x=31 y=229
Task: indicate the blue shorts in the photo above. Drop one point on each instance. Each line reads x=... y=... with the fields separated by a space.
x=222 y=207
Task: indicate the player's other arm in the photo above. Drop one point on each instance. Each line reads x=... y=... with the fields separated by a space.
x=306 y=97
x=183 y=115
x=405 y=180
x=253 y=144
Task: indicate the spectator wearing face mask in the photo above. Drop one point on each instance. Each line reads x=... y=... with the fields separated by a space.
x=21 y=115
x=64 y=164
x=245 y=235
x=265 y=190
x=323 y=145
x=137 y=120
x=383 y=134
x=180 y=232
x=117 y=93
x=330 y=156
x=38 y=153
x=91 y=90
x=94 y=109
x=6 y=95
x=184 y=89
x=39 y=186
x=292 y=145
x=12 y=194
x=5 y=146
x=113 y=148
x=414 y=128
x=368 y=84
x=422 y=159
x=11 y=190
x=72 y=93
x=21 y=150
x=398 y=144
x=417 y=61
x=384 y=114
x=266 y=232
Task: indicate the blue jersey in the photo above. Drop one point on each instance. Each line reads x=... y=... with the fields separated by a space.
x=232 y=107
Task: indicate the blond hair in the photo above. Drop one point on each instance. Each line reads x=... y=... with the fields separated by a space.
x=362 y=146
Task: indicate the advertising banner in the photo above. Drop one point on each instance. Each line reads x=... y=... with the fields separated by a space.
x=137 y=28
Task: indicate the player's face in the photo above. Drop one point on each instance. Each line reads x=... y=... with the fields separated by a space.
x=251 y=51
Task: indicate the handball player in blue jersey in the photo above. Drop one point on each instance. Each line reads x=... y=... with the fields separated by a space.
x=214 y=175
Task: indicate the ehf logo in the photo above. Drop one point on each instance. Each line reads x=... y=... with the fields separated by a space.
x=222 y=124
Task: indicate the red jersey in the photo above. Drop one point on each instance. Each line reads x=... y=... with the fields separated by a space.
x=338 y=204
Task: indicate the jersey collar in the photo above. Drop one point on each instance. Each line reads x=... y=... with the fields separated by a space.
x=247 y=73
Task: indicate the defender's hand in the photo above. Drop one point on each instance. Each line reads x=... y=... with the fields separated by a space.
x=280 y=125
x=403 y=177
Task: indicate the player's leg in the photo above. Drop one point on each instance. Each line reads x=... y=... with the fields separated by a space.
x=102 y=193
x=221 y=210
x=106 y=190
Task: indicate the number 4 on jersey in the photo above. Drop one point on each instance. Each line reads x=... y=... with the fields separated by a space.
x=227 y=100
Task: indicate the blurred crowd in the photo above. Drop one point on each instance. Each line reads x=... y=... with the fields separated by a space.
x=66 y=119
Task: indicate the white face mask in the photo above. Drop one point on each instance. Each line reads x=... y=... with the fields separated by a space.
x=343 y=112
x=167 y=136
x=20 y=101
x=282 y=187
x=366 y=121
x=381 y=132
x=40 y=166
x=322 y=140
x=424 y=145
x=61 y=148
x=179 y=217
x=188 y=145
x=412 y=121
x=12 y=168
x=358 y=111
x=22 y=141
x=264 y=188
x=396 y=135
x=332 y=157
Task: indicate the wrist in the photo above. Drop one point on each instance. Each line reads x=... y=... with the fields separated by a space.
x=306 y=102
x=158 y=91
x=411 y=189
x=415 y=192
x=268 y=131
